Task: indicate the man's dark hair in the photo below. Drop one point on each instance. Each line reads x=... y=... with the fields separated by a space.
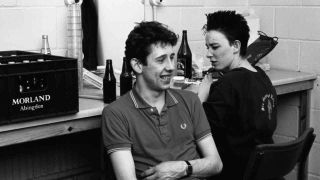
x=144 y=34
x=233 y=26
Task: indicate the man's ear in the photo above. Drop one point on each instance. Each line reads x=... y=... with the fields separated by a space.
x=236 y=45
x=136 y=65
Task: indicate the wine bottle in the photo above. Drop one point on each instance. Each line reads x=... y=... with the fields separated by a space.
x=125 y=77
x=109 y=83
x=184 y=58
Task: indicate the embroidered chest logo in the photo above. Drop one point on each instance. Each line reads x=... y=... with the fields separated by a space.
x=183 y=126
x=267 y=104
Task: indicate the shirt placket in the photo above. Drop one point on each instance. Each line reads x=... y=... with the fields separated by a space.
x=161 y=121
x=163 y=125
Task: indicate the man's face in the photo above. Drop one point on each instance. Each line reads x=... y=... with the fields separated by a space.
x=160 y=67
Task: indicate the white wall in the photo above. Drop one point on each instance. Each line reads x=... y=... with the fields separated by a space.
x=22 y=22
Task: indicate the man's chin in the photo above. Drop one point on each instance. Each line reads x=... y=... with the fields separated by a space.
x=165 y=86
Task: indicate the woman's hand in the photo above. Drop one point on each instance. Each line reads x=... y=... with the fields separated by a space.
x=204 y=87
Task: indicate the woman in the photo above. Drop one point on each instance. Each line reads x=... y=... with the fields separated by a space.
x=240 y=106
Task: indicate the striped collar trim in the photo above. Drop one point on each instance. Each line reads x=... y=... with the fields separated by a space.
x=134 y=99
x=140 y=103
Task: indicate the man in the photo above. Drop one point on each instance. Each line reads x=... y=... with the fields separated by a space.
x=154 y=132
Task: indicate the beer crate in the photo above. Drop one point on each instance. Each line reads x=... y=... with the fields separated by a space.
x=34 y=86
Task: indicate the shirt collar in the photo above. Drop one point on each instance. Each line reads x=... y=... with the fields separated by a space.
x=139 y=102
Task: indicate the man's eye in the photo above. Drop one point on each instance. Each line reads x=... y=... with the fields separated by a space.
x=160 y=60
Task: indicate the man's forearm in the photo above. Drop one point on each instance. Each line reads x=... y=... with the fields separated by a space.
x=205 y=167
x=211 y=163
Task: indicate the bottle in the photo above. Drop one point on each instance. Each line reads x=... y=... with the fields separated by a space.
x=125 y=78
x=109 y=83
x=184 y=58
x=45 y=45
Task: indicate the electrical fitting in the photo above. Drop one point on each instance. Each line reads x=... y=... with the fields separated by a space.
x=156 y=2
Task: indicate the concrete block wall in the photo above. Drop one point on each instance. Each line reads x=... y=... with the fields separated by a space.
x=23 y=23
x=297 y=24
x=190 y=15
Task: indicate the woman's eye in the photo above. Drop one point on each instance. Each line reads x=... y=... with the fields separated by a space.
x=214 y=47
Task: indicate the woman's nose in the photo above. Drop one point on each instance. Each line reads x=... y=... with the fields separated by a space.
x=209 y=54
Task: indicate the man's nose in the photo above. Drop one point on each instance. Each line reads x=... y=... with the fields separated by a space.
x=170 y=65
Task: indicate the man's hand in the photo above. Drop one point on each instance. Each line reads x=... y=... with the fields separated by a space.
x=165 y=171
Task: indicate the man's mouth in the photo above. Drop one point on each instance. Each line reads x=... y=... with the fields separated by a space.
x=165 y=77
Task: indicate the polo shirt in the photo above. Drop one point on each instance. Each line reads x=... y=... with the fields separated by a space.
x=131 y=123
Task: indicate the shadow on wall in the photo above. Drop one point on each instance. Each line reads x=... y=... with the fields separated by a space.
x=116 y=18
x=90 y=29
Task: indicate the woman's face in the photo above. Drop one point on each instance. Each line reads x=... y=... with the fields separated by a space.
x=220 y=52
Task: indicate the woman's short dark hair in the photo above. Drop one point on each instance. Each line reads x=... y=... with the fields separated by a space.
x=233 y=26
x=144 y=34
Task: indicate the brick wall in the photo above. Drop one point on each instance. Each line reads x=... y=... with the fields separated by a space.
x=23 y=22
x=297 y=24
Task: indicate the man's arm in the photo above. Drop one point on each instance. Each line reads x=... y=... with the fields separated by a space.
x=123 y=165
x=211 y=163
x=207 y=166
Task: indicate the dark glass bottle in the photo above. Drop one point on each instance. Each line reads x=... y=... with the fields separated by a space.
x=125 y=77
x=184 y=58
x=109 y=83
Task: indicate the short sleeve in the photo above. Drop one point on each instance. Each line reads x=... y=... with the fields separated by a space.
x=115 y=132
x=200 y=121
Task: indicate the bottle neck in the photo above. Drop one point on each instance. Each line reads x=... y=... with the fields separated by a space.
x=45 y=43
x=184 y=37
x=124 y=66
x=109 y=68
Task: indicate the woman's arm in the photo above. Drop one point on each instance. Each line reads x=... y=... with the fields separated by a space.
x=204 y=88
